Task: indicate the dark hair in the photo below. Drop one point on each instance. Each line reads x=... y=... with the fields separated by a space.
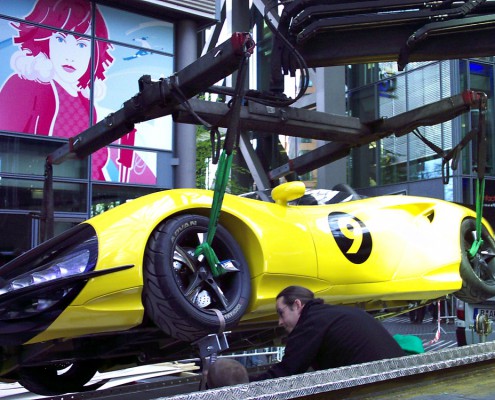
x=291 y=293
x=226 y=372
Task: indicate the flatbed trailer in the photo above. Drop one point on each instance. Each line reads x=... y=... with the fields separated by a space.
x=453 y=373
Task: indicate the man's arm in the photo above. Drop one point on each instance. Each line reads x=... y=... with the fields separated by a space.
x=302 y=347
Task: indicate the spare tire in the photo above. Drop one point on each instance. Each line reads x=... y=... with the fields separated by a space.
x=478 y=272
x=180 y=294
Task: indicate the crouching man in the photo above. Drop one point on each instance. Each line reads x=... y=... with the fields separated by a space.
x=325 y=336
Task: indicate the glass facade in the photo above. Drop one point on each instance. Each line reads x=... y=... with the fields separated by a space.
x=69 y=64
x=380 y=91
x=399 y=159
x=478 y=75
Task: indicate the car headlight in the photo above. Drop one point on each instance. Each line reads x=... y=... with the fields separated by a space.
x=72 y=264
x=49 y=281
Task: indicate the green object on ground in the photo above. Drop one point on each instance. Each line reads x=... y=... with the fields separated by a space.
x=410 y=344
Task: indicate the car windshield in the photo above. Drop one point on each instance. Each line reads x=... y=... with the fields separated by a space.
x=312 y=197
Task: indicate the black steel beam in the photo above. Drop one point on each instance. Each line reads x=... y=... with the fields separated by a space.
x=277 y=120
x=430 y=114
x=328 y=33
x=314 y=159
x=332 y=48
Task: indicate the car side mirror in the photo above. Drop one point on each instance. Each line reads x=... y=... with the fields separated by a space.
x=289 y=191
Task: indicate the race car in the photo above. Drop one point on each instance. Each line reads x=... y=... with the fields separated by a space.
x=129 y=286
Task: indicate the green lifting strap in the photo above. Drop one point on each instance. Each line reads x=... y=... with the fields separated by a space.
x=222 y=176
x=480 y=194
x=480 y=182
x=221 y=180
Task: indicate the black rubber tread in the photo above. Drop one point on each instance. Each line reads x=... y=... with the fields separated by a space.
x=45 y=380
x=163 y=297
x=475 y=289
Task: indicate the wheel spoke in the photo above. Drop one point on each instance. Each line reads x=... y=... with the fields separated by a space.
x=476 y=266
x=218 y=292
x=184 y=258
x=201 y=237
x=481 y=262
x=487 y=256
x=194 y=286
x=485 y=266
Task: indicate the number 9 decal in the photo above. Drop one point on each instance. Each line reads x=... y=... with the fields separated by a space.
x=351 y=235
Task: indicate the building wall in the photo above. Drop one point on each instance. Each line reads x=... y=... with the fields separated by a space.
x=206 y=8
x=83 y=65
x=379 y=90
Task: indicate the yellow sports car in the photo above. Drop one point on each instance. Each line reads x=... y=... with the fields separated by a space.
x=128 y=287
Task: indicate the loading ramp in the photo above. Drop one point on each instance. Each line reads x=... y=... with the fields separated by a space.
x=453 y=373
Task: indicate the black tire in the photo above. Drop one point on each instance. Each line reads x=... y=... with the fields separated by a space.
x=180 y=293
x=477 y=273
x=56 y=379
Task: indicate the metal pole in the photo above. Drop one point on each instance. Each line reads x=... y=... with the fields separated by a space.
x=185 y=134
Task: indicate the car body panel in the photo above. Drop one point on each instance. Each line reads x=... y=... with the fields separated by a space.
x=116 y=311
x=399 y=254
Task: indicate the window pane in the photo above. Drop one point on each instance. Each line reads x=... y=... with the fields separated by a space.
x=138 y=30
x=17 y=9
x=72 y=15
x=421 y=86
x=363 y=104
x=106 y=197
x=132 y=166
x=392 y=96
x=391 y=172
x=126 y=165
x=122 y=83
x=48 y=97
x=27 y=156
x=15 y=235
x=427 y=168
x=20 y=194
x=56 y=95
x=481 y=78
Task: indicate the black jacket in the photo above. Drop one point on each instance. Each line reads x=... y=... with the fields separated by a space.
x=328 y=336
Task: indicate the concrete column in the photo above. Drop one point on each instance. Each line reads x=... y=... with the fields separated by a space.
x=185 y=134
x=330 y=98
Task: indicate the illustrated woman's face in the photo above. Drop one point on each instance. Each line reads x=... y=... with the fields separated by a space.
x=70 y=57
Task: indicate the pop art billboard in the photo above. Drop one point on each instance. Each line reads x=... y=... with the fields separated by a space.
x=70 y=63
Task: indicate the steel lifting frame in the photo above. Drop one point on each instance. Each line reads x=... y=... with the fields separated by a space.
x=343 y=133
x=351 y=32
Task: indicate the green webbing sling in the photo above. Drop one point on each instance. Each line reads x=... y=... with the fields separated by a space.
x=480 y=182
x=223 y=173
x=480 y=194
x=221 y=180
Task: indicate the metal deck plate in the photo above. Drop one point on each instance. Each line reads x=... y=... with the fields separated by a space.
x=313 y=383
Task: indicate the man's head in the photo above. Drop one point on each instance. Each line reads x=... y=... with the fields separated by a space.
x=226 y=372
x=290 y=303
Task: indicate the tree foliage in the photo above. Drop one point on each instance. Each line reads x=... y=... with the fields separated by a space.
x=205 y=169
